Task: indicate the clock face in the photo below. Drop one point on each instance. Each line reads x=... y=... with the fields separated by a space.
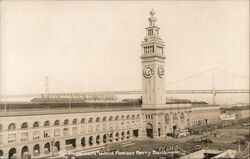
x=148 y=71
x=160 y=71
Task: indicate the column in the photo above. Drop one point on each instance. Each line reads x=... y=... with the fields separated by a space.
x=179 y=120
x=78 y=143
x=101 y=139
x=163 y=129
x=155 y=126
x=171 y=121
x=87 y=141
x=5 y=153
x=62 y=145
x=143 y=127
x=18 y=152
x=94 y=140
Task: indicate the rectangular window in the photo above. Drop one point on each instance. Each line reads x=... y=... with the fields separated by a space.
x=36 y=135
x=1 y=139
x=83 y=130
x=160 y=49
x=24 y=136
x=90 y=128
x=46 y=133
x=74 y=130
x=11 y=138
x=116 y=126
x=104 y=126
x=57 y=132
x=150 y=32
x=128 y=124
x=97 y=127
x=110 y=126
x=65 y=131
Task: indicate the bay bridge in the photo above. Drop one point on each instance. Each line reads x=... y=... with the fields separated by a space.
x=111 y=95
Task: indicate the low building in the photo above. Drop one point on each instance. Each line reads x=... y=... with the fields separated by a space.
x=241 y=112
x=45 y=133
x=227 y=116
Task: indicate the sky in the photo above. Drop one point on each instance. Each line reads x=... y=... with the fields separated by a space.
x=95 y=45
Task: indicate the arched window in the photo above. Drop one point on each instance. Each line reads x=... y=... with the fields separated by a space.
x=1 y=128
x=74 y=121
x=36 y=124
x=117 y=117
x=24 y=125
x=122 y=117
x=97 y=119
x=110 y=118
x=46 y=123
x=167 y=119
x=12 y=126
x=90 y=120
x=104 y=118
x=138 y=116
x=175 y=118
x=128 y=116
x=182 y=117
x=133 y=117
x=66 y=122
x=83 y=120
x=56 y=123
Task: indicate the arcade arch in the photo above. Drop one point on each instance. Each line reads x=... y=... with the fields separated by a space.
x=24 y=150
x=167 y=119
x=83 y=142
x=12 y=153
x=98 y=139
x=149 y=130
x=182 y=117
x=90 y=141
x=36 y=150
x=104 y=138
x=57 y=145
x=47 y=148
x=175 y=118
x=1 y=153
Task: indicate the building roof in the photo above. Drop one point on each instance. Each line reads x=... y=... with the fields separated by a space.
x=234 y=108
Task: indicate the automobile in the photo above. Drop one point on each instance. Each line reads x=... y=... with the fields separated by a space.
x=170 y=134
x=194 y=140
x=241 y=142
x=70 y=156
x=197 y=147
x=246 y=124
x=206 y=141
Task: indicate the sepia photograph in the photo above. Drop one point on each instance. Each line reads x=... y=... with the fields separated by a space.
x=134 y=79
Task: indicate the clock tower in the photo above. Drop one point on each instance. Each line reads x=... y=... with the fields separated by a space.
x=153 y=67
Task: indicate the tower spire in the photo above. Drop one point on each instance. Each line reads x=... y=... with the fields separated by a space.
x=152 y=19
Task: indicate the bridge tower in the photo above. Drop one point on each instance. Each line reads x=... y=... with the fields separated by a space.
x=153 y=76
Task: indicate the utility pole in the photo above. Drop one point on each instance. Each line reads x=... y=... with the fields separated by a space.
x=213 y=87
x=46 y=84
x=70 y=102
x=5 y=107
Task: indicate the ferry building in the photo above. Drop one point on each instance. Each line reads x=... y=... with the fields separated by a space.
x=48 y=126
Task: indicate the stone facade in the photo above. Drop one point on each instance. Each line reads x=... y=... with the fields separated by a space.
x=66 y=131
